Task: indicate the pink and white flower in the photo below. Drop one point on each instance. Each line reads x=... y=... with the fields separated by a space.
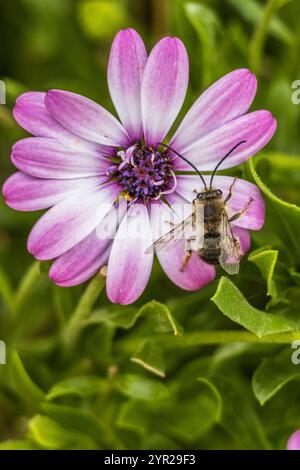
x=82 y=159
x=294 y=441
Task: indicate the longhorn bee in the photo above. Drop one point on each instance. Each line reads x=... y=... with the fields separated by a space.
x=212 y=237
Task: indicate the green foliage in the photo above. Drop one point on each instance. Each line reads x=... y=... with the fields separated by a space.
x=47 y=434
x=273 y=374
x=206 y=25
x=233 y=304
x=252 y=11
x=100 y=18
x=22 y=383
x=266 y=260
x=142 y=388
x=150 y=357
x=206 y=370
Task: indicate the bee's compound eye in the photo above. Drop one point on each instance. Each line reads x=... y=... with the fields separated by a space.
x=200 y=196
x=219 y=192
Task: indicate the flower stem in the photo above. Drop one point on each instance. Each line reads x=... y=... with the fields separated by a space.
x=205 y=338
x=83 y=309
x=27 y=287
x=258 y=39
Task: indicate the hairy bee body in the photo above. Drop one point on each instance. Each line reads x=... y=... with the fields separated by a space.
x=207 y=232
x=209 y=212
x=211 y=237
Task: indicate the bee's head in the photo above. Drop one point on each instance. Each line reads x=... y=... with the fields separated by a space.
x=209 y=194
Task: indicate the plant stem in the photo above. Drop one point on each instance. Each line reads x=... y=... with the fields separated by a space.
x=258 y=39
x=25 y=292
x=27 y=286
x=205 y=338
x=83 y=309
x=161 y=18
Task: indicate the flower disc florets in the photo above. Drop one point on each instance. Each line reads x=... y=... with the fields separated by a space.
x=144 y=173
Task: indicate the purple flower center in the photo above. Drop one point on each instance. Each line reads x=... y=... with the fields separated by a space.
x=144 y=173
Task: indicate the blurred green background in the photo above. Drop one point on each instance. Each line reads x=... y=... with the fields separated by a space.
x=177 y=370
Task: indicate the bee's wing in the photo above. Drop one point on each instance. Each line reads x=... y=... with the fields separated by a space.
x=230 y=255
x=172 y=237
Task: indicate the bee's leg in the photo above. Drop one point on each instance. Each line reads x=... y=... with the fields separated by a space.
x=242 y=212
x=172 y=224
x=188 y=253
x=230 y=190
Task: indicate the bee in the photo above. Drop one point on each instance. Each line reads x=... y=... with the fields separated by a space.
x=207 y=231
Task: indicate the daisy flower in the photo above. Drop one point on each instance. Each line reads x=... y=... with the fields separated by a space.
x=83 y=162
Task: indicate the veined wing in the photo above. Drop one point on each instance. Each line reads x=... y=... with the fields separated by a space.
x=230 y=255
x=172 y=237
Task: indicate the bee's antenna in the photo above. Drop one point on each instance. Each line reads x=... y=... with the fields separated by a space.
x=187 y=161
x=222 y=160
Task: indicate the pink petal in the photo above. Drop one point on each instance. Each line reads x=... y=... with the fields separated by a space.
x=253 y=218
x=30 y=113
x=227 y=99
x=127 y=62
x=255 y=128
x=294 y=441
x=48 y=158
x=70 y=221
x=243 y=236
x=129 y=268
x=164 y=88
x=85 y=118
x=87 y=257
x=197 y=274
x=25 y=193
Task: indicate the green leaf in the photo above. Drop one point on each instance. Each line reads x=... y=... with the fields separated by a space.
x=142 y=388
x=134 y=416
x=206 y=25
x=22 y=383
x=239 y=416
x=198 y=409
x=283 y=217
x=151 y=358
x=81 y=420
x=187 y=415
x=116 y=317
x=18 y=445
x=48 y=434
x=156 y=441
x=233 y=304
x=265 y=260
x=84 y=386
x=252 y=11
x=155 y=313
x=295 y=276
x=6 y=291
x=160 y=318
x=273 y=374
